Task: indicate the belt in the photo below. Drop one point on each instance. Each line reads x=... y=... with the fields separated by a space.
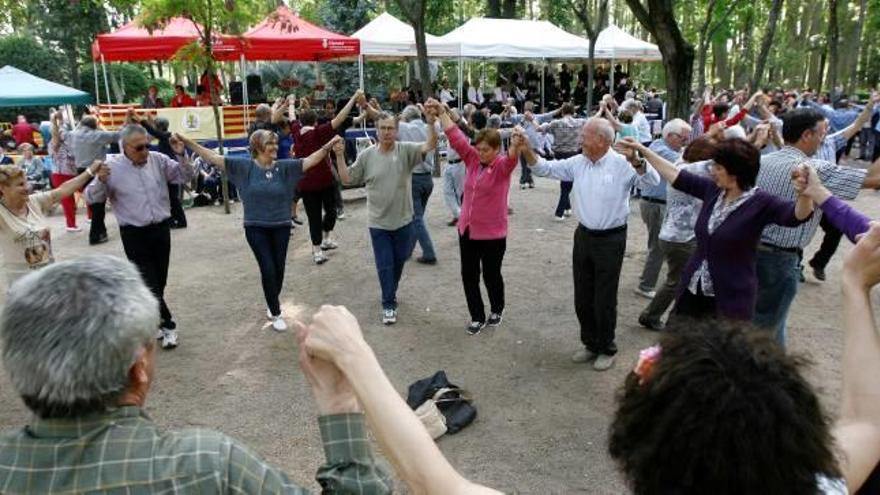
x=453 y=161
x=154 y=225
x=602 y=233
x=766 y=246
x=654 y=200
x=421 y=173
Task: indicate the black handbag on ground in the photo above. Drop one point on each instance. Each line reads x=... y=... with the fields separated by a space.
x=454 y=404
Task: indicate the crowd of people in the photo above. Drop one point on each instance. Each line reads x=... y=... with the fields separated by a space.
x=730 y=198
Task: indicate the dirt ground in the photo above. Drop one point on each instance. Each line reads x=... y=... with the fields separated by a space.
x=543 y=420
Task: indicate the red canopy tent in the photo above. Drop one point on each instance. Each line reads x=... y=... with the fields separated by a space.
x=132 y=43
x=285 y=36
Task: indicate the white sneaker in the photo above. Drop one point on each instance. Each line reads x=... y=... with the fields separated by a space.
x=522 y=186
x=603 y=362
x=318 y=257
x=278 y=324
x=329 y=244
x=160 y=334
x=560 y=219
x=269 y=314
x=74 y=229
x=340 y=215
x=566 y=213
x=648 y=294
x=169 y=341
x=88 y=221
x=389 y=316
x=582 y=355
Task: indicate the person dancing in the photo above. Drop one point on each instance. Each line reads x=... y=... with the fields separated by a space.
x=482 y=226
x=265 y=186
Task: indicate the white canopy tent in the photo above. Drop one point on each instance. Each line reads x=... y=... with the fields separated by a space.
x=616 y=44
x=507 y=39
x=388 y=38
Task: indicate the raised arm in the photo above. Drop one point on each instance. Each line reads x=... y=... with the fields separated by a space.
x=206 y=154
x=97 y=169
x=857 y=430
x=335 y=336
x=432 y=108
x=320 y=154
x=341 y=165
x=629 y=146
x=863 y=118
x=340 y=117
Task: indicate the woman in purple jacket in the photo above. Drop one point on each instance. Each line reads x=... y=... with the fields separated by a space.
x=720 y=279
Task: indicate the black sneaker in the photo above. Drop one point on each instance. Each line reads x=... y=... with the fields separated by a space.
x=651 y=325
x=819 y=273
x=426 y=261
x=474 y=327
x=801 y=276
x=100 y=240
x=296 y=220
x=494 y=319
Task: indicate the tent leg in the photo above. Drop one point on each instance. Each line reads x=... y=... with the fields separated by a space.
x=244 y=92
x=611 y=77
x=543 y=92
x=106 y=84
x=361 y=71
x=97 y=87
x=460 y=83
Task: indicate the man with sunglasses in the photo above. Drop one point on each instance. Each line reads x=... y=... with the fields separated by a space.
x=136 y=183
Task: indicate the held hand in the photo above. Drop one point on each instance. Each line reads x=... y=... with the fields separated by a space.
x=333 y=142
x=814 y=187
x=180 y=138
x=101 y=170
x=332 y=391
x=861 y=266
x=800 y=175
x=334 y=335
x=338 y=146
x=177 y=145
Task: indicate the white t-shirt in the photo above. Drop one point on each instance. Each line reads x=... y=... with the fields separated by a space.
x=26 y=242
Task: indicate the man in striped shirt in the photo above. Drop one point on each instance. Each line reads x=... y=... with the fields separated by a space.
x=803 y=131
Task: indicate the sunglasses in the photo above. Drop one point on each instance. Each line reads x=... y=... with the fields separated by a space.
x=140 y=147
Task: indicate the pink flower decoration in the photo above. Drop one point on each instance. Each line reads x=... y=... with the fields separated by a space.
x=648 y=359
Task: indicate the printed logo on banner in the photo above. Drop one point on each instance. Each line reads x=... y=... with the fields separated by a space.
x=324 y=43
x=191 y=121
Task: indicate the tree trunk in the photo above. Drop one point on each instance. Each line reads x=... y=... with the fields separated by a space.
x=766 y=44
x=493 y=8
x=833 y=40
x=73 y=64
x=817 y=63
x=422 y=53
x=744 y=67
x=858 y=47
x=722 y=67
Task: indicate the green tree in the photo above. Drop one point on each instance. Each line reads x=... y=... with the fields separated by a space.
x=345 y=17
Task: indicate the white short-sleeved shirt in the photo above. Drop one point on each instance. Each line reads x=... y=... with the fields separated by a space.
x=26 y=242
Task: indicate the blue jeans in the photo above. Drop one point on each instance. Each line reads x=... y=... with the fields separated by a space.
x=777 y=285
x=422 y=186
x=269 y=245
x=391 y=249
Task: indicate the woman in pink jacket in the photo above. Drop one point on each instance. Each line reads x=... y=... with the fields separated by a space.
x=482 y=226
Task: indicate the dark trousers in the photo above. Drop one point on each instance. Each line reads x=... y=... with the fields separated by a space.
x=525 y=175
x=315 y=202
x=596 y=261
x=391 y=249
x=488 y=255
x=149 y=248
x=829 y=244
x=269 y=245
x=422 y=187
x=676 y=255
x=564 y=202
x=694 y=306
x=337 y=194
x=178 y=217
x=97 y=211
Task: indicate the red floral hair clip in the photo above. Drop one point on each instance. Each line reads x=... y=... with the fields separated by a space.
x=648 y=359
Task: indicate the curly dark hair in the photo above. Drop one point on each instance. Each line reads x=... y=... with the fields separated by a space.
x=725 y=411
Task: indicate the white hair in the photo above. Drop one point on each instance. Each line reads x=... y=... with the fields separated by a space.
x=676 y=126
x=602 y=126
x=70 y=332
x=410 y=113
x=735 y=132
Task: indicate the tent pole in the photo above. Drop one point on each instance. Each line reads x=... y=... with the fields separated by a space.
x=543 y=92
x=460 y=82
x=244 y=92
x=361 y=70
x=106 y=84
x=97 y=86
x=611 y=78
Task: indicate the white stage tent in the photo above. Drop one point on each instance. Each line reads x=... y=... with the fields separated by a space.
x=616 y=44
x=507 y=39
x=388 y=38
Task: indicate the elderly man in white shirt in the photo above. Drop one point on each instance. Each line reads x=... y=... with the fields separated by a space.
x=602 y=180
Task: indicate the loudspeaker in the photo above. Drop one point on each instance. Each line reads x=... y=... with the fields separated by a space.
x=236 y=94
x=255 y=88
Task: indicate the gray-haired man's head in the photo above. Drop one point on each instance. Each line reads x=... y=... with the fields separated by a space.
x=72 y=331
x=410 y=113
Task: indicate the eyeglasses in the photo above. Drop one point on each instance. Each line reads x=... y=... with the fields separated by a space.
x=140 y=147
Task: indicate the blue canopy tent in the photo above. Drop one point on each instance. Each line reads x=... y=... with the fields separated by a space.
x=20 y=89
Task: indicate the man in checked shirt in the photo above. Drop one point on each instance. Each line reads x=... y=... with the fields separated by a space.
x=84 y=365
x=804 y=131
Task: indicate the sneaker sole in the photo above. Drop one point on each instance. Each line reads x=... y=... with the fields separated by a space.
x=498 y=323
